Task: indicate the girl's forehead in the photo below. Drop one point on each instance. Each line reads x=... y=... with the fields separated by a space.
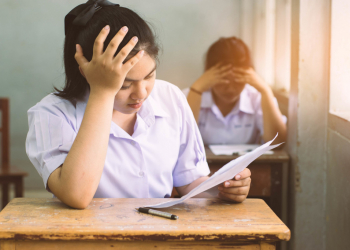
x=145 y=66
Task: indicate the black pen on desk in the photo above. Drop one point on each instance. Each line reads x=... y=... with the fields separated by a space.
x=156 y=212
x=242 y=152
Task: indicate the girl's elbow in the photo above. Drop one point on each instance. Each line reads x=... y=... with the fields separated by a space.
x=78 y=200
x=79 y=203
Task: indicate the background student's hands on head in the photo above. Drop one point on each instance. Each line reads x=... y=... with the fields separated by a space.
x=248 y=75
x=106 y=72
x=236 y=189
x=215 y=75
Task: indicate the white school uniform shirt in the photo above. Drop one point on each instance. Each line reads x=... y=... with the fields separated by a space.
x=243 y=125
x=165 y=150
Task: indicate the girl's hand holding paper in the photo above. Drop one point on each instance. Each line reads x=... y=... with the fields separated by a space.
x=236 y=189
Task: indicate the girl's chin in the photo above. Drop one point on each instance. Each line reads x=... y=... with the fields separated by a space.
x=228 y=96
x=126 y=111
x=229 y=100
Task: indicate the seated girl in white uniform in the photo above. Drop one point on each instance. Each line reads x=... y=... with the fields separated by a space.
x=231 y=102
x=114 y=130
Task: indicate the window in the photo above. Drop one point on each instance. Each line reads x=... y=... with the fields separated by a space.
x=340 y=60
x=283 y=46
x=266 y=29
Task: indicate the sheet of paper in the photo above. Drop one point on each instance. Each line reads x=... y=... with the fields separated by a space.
x=239 y=149
x=225 y=173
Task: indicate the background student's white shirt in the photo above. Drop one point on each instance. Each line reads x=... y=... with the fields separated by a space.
x=243 y=125
x=165 y=150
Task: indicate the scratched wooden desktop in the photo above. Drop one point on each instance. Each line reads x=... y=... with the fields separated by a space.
x=28 y=223
x=269 y=177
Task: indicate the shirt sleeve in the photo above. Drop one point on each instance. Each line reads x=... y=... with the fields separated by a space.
x=49 y=140
x=192 y=163
x=186 y=91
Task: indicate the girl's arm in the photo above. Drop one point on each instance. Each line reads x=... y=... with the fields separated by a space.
x=272 y=117
x=210 y=77
x=76 y=181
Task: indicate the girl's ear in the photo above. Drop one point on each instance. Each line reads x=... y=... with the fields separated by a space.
x=81 y=72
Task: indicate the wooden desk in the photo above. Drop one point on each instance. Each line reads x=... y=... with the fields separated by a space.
x=114 y=224
x=269 y=178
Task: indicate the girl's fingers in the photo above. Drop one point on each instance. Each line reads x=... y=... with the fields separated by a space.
x=239 y=70
x=115 y=42
x=79 y=56
x=224 y=81
x=217 y=66
x=238 y=74
x=222 y=78
x=241 y=80
x=99 y=41
x=132 y=61
x=232 y=197
x=244 y=174
x=225 y=67
x=226 y=73
x=235 y=183
x=121 y=56
x=235 y=190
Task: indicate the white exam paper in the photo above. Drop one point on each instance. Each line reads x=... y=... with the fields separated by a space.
x=225 y=173
x=240 y=149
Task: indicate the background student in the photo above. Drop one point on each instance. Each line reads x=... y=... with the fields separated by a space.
x=231 y=102
x=114 y=130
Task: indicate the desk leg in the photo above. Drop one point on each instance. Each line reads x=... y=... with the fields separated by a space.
x=276 y=189
x=7 y=245
x=267 y=246
x=279 y=193
x=284 y=214
x=284 y=192
x=276 y=192
x=5 y=195
x=19 y=187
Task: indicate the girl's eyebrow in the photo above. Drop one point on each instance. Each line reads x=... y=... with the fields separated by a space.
x=131 y=80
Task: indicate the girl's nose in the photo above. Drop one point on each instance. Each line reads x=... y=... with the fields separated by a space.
x=139 y=91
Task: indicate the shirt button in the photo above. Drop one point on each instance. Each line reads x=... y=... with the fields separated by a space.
x=133 y=143
x=141 y=173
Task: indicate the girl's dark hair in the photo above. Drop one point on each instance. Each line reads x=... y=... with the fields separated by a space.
x=230 y=50
x=116 y=17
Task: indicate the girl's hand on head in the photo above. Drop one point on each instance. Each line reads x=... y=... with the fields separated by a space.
x=248 y=75
x=215 y=75
x=105 y=72
x=236 y=189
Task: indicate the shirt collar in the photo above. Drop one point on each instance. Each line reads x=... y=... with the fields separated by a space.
x=148 y=112
x=244 y=103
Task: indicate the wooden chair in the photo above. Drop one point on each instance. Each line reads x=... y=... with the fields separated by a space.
x=8 y=174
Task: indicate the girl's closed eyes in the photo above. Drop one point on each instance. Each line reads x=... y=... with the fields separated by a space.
x=128 y=83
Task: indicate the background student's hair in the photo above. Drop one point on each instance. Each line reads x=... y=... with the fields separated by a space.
x=231 y=50
x=116 y=17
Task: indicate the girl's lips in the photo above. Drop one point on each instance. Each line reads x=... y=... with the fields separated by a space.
x=136 y=105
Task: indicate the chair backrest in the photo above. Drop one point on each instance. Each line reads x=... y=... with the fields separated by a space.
x=5 y=134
